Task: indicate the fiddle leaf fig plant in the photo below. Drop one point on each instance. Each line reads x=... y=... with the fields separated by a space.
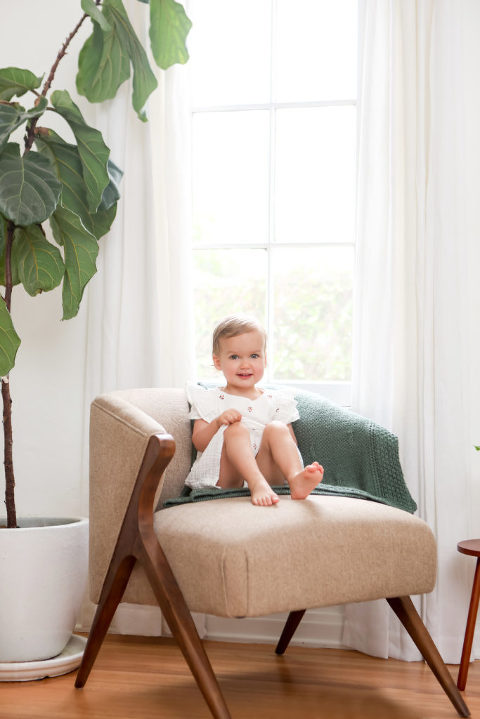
x=73 y=186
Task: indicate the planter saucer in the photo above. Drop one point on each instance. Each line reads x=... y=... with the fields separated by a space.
x=65 y=662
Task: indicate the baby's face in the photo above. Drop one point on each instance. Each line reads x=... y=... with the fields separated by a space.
x=242 y=360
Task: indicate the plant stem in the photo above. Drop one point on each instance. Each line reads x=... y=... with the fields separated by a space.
x=46 y=87
x=8 y=456
x=7 y=401
x=61 y=53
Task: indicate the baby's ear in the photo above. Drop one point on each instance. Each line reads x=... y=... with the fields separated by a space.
x=216 y=361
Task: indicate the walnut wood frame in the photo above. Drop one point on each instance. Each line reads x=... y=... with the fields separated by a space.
x=137 y=541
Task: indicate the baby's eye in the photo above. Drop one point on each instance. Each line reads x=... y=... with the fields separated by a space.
x=234 y=357
x=255 y=356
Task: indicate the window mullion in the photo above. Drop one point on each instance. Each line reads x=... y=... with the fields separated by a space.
x=271 y=194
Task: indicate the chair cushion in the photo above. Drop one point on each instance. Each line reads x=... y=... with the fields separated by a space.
x=233 y=559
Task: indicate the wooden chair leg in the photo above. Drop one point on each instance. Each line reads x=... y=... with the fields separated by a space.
x=137 y=542
x=408 y=615
x=293 y=620
x=182 y=626
x=114 y=586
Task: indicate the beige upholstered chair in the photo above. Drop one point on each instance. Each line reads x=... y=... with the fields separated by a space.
x=223 y=556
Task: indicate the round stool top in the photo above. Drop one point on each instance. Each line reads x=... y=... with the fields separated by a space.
x=470 y=546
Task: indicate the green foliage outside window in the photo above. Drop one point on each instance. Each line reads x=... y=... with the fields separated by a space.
x=312 y=318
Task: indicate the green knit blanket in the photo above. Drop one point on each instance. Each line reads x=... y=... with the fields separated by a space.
x=360 y=457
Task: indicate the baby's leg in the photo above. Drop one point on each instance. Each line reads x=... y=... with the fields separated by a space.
x=237 y=464
x=278 y=458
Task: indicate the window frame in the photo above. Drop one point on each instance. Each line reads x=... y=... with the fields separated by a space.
x=337 y=391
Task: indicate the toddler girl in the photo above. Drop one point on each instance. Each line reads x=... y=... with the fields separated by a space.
x=243 y=434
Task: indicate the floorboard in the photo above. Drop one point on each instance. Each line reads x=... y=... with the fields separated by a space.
x=147 y=678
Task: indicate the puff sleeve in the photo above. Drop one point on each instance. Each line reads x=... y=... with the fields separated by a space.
x=203 y=402
x=285 y=408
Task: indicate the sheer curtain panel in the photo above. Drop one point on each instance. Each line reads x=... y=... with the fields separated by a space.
x=139 y=305
x=417 y=335
x=140 y=309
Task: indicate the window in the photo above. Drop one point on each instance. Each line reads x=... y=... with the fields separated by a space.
x=274 y=136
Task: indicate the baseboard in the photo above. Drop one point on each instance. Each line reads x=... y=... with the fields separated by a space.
x=134 y=619
x=318 y=628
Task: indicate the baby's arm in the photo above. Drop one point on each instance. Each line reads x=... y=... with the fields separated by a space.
x=203 y=431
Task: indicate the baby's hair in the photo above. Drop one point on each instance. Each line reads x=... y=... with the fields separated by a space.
x=235 y=325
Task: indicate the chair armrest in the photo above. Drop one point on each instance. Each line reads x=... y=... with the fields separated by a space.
x=119 y=434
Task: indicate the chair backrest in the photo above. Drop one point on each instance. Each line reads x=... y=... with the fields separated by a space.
x=167 y=407
x=121 y=424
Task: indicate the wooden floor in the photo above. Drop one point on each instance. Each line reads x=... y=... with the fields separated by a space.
x=147 y=678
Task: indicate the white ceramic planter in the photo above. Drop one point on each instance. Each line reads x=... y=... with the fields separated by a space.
x=43 y=575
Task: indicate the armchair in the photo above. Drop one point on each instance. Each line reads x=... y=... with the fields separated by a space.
x=229 y=558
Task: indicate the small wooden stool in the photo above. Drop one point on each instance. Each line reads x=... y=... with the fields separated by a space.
x=471 y=547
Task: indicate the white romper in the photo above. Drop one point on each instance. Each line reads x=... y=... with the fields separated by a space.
x=207 y=404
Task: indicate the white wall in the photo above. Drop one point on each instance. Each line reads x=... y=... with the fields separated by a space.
x=47 y=381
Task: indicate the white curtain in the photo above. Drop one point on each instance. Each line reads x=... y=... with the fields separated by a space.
x=140 y=309
x=417 y=334
x=140 y=325
x=139 y=305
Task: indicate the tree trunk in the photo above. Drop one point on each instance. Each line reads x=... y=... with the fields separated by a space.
x=8 y=458
x=7 y=401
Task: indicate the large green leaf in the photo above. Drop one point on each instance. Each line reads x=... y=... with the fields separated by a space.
x=169 y=27
x=9 y=340
x=66 y=160
x=103 y=65
x=105 y=59
x=12 y=116
x=16 y=82
x=111 y=193
x=38 y=263
x=80 y=254
x=92 y=150
x=92 y=9
x=144 y=81
x=29 y=189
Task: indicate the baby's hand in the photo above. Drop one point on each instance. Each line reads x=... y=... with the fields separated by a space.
x=229 y=417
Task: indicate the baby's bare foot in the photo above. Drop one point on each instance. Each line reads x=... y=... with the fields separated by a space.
x=263 y=495
x=302 y=483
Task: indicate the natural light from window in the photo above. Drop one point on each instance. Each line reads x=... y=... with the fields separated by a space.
x=274 y=135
